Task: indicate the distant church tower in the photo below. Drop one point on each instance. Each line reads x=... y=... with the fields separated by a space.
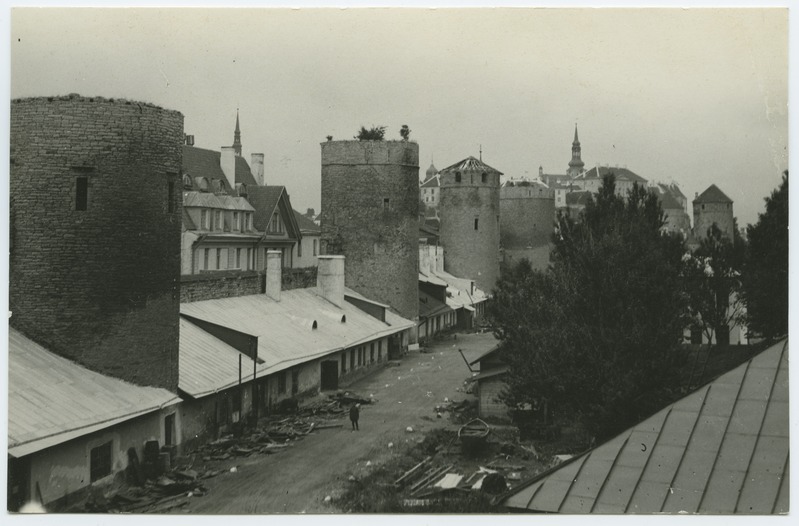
x=237 y=137
x=576 y=164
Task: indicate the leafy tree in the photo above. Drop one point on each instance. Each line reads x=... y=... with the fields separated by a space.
x=596 y=333
x=375 y=133
x=765 y=274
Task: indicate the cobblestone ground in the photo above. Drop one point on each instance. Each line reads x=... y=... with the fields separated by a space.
x=297 y=479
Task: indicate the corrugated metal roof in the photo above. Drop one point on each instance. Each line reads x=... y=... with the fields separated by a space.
x=720 y=450
x=52 y=400
x=470 y=164
x=285 y=336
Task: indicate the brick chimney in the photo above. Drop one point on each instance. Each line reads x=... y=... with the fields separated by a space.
x=257 y=167
x=273 y=274
x=330 y=279
x=227 y=161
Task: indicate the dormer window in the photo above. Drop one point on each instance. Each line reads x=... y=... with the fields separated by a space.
x=203 y=219
x=186 y=181
x=217 y=220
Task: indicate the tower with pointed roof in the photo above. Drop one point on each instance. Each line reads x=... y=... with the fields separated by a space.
x=469 y=214
x=576 y=164
x=237 y=137
x=713 y=206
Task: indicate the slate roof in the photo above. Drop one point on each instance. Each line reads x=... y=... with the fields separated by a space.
x=470 y=164
x=720 y=450
x=306 y=225
x=712 y=195
x=433 y=182
x=284 y=330
x=622 y=174
x=52 y=400
x=199 y=162
x=265 y=200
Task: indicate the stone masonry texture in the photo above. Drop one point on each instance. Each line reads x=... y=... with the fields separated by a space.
x=370 y=215
x=468 y=252
x=525 y=221
x=99 y=286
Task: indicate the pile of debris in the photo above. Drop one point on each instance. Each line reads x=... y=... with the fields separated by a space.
x=426 y=480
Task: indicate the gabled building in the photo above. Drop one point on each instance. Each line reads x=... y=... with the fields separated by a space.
x=275 y=217
x=669 y=196
x=429 y=193
x=592 y=180
x=306 y=250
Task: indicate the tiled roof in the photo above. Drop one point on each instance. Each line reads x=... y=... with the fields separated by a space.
x=720 y=450
x=285 y=335
x=52 y=400
x=433 y=182
x=470 y=164
x=622 y=174
x=264 y=200
x=199 y=162
x=306 y=225
x=712 y=195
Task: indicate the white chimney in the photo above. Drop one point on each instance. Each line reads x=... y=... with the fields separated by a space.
x=257 y=167
x=330 y=279
x=424 y=259
x=273 y=274
x=227 y=161
x=439 y=267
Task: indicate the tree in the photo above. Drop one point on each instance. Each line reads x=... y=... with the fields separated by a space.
x=765 y=272
x=375 y=133
x=405 y=132
x=597 y=332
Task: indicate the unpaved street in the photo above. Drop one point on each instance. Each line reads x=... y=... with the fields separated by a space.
x=298 y=478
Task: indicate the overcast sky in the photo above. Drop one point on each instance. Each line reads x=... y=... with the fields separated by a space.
x=695 y=96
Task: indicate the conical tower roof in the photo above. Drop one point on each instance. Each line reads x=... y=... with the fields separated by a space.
x=431 y=172
x=470 y=164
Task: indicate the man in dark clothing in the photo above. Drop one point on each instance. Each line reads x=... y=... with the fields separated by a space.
x=354 y=414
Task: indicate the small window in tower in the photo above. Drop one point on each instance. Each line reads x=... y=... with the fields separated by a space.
x=476 y=222
x=170 y=197
x=386 y=202
x=457 y=177
x=484 y=177
x=81 y=193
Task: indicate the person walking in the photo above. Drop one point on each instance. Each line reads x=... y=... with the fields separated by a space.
x=354 y=414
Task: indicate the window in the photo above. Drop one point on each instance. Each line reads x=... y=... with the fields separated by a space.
x=281 y=382
x=81 y=193
x=299 y=248
x=344 y=362
x=457 y=177
x=170 y=197
x=204 y=219
x=205 y=258
x=217 y=220
x=235 y=221
x=352 y=359
x=295 y=382
x=276 y=225
x=386 y=202
x=372 y=353
x=484 y=177
x=314 y=247
x=238 y=258
x=476 y=223
x=100 y=462
x=218 y=258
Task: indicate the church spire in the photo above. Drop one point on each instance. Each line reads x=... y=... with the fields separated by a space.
x=576 y=164
x=237 y=136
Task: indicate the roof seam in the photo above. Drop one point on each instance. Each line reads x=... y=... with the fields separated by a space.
x=762 y=420
x=574 y=479
x=785 y=469
x=612 y=466
x=682 y=458
x=646 y=464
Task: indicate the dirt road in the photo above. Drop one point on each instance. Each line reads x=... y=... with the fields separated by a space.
x=297 y=479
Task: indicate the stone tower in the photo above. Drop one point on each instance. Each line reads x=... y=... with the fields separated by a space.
x=576 y=164
x=370 y=215
x=713 y=206
x=95 y=194
x=469 y=213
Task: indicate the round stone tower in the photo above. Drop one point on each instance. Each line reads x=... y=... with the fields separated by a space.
x=469 y=213
x=370 y=215
x=713 y=206
x=96 y=207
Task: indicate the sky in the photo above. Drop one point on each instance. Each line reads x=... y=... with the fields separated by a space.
x=695 y=96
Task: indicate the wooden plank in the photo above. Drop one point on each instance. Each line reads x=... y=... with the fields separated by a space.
x=412 y=470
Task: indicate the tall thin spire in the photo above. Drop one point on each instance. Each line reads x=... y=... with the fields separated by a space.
x=237 y=136
x=576 y=164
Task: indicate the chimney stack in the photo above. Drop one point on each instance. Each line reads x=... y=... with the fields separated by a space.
x=227 y=161
x=273 y=274
x=540 y=171
x=257 y=166
x=330 y=279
